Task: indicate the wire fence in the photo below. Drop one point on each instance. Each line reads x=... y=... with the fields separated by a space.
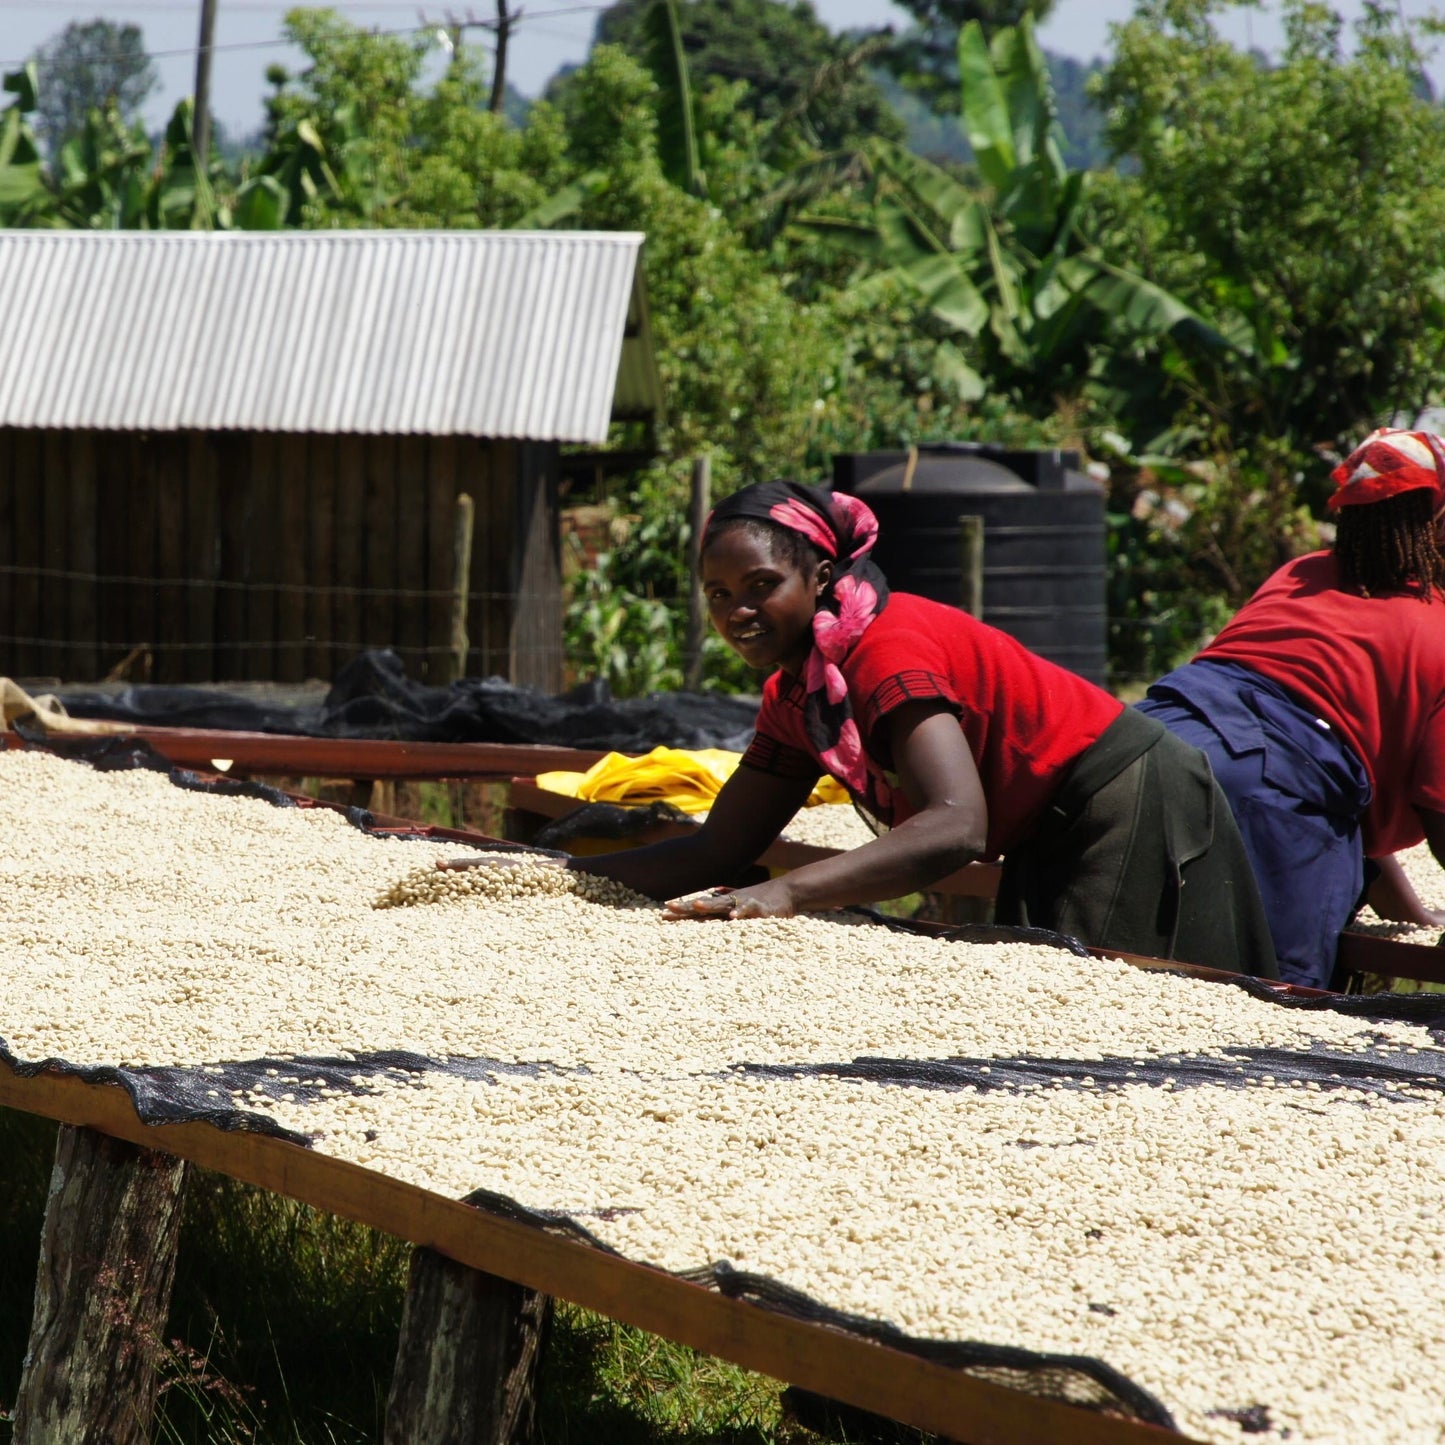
x=429 y=656
x=84 y=626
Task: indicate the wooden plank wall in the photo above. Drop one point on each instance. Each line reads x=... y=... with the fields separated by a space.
x=537 y=614
x=232 y=556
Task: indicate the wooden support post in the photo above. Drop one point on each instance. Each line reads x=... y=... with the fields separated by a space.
x=107 y=1262
x=970 y=528
x=467 y=1363
x=201 y=122
x=696 y=603
x=461 y=584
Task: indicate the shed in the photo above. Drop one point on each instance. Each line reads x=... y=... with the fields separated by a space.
x=240 y=454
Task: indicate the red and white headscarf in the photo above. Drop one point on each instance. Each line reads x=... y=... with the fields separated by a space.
x=1390 y=461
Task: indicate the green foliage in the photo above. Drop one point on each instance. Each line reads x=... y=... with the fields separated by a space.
x=676 y=121
x=106 y=175
x=356 y=140
x=925 y=57
x=620 y=637
x=91 y=65
x=1298 y=205
x=1263 y=279
x=23 y=196
x=933 y=131
x=792 y=68
x=1028 y=300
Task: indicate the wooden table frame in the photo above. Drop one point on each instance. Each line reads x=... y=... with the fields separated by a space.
x=817 y=1357
x=361 y=758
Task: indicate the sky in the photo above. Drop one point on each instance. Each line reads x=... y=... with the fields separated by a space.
x=552 y=33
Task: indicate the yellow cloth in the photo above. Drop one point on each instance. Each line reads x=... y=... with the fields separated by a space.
x=690 y=781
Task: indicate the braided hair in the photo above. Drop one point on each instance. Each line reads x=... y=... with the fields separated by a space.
x=1390 y=546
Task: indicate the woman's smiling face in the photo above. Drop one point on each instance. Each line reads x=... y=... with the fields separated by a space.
x=761 y=603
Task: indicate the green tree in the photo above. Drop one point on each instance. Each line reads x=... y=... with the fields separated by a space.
x=357 y=139
x=1298 y=204
x=788 y=62
x=91 y=65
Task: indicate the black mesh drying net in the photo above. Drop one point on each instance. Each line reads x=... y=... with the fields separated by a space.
x=218 y=1094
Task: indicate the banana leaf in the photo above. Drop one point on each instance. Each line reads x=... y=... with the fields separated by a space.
x=858 y=237
x=261 y=205
x=985 y=110
x=562 y=204
x=20 y=179
x=22 y=186
x=182 y=198
x=950 y=366
x=24 y=85
x=1006 y=272
x=1148 y=309
x=904 y=235
x=938 y=190
x=1024 y=85
x=949 y=292
x=968 y=231
x=676 y=123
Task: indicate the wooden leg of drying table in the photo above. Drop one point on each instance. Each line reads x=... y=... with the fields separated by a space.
x=107 y=1262
x=467 y=1364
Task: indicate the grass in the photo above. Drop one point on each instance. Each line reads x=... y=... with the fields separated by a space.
x=284 y=1324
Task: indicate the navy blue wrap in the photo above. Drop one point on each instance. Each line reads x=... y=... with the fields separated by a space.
x=1297 y=791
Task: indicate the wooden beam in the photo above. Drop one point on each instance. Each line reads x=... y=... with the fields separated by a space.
x=102 y=1293
x=469 y=1358
x=292 y=756
x=1390 y=958
x=842 y=1365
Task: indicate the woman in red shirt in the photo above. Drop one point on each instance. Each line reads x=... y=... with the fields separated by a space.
x=959 y=740
x=1322 y=704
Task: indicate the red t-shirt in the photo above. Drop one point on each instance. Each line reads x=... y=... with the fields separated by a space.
x=1371 y=667
x=1025 y=719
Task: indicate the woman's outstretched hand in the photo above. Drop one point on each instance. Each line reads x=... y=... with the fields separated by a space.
x=764 y=900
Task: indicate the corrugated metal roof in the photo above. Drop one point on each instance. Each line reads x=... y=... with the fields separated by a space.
x=478 y=333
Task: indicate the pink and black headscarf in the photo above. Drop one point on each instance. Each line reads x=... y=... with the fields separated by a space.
x=844 y=530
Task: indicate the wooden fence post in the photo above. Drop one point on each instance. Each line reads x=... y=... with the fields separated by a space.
x=461 y=584
x=107 y=1263
x=467 y=1363
x=970 y=528
x=696 y=603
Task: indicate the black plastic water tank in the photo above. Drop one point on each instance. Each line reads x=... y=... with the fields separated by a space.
x=1043 y=539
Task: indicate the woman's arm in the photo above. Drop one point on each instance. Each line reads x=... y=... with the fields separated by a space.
x=948 y=829
x=751 y=810
x=1393 y=896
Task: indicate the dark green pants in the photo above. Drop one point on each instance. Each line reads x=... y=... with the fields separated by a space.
x=1140 y=852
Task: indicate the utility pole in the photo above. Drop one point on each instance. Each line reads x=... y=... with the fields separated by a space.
x=454 y=32
x=202 y=125
x=499 y=71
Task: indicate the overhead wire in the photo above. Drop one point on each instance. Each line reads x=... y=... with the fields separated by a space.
x=189 y=51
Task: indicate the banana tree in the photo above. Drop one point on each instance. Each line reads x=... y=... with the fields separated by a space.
x=101 y=178
x=1007 y=269
x=24 y=200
